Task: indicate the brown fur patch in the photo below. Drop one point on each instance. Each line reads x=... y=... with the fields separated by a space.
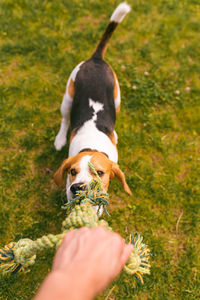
x=112 y=138
x=117 y=109
x=115 y=91
x=71 y=89
x=72 y=135
x=101 y=163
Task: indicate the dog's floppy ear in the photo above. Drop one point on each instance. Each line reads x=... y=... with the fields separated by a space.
x=59 y=175
x=116 y=171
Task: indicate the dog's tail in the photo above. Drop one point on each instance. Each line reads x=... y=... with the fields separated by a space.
x=116 y=18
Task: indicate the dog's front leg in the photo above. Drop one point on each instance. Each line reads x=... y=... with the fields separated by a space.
x=61 y=138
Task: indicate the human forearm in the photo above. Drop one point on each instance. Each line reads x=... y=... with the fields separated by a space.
x=59 y=286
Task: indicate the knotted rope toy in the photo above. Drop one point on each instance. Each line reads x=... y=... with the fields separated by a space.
x=18 y=256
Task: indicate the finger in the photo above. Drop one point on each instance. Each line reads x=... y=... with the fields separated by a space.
x=118 y=242
x=126 y=253
x=66 y=249
x=116 y=252
x=100 y=230
x=68 y=236
x=83 y=229
x=73 y=234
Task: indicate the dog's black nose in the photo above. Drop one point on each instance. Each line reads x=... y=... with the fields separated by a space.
x=77 y=187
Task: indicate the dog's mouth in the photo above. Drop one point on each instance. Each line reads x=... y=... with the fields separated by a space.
x=76 y=188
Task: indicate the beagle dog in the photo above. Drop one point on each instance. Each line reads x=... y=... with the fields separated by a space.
x=89 y=106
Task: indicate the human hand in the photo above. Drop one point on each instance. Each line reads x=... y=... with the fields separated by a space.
x=96 y=254
x=88 y=260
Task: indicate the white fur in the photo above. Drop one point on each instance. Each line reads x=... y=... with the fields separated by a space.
x=61 y=138
x=97 y=106
x=120 y=12
x=83 y=176
x=88 y=136
x=75 y=71
x=116 y=136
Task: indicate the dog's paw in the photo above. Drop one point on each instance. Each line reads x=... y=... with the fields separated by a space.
x=60 y=142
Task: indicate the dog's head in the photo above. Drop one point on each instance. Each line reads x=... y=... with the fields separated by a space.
x=79 y=172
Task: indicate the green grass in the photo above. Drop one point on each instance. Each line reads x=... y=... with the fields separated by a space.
x=158 y=128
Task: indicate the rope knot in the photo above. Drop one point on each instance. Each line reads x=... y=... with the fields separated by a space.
x=24 y=252
x=138 y=263
x=14 y=257
x=81 y=215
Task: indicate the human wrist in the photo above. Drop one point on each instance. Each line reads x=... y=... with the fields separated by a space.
x=60 y=285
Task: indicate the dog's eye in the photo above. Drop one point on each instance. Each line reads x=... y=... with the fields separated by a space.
x=100 y=173
x=73 y=172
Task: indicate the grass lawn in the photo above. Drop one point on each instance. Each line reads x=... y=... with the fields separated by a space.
x=156 y=55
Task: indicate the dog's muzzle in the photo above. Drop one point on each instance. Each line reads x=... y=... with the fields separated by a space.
x=76 y=187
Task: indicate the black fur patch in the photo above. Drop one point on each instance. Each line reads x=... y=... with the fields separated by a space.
x=101 y=48
x=92 y=150
x=94 y=81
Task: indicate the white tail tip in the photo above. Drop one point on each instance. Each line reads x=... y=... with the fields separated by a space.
x=120 y=12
